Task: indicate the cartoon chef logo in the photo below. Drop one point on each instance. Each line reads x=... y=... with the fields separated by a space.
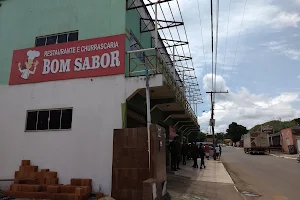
x=26 y=69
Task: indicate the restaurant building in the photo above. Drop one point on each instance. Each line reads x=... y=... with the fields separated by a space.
x=66 y=82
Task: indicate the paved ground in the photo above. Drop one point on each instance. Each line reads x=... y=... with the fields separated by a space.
x=267 y=176
x=282 y=155
x=213 y=183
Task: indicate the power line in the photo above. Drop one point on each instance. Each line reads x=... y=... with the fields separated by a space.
x=200 y=21
x=216 y=49
x=212 y=43
x=233 y=65
x=214 y=71
x=224 y=60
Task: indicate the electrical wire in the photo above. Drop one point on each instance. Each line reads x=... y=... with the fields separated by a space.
x=224 y=60
x=200 y=21
x=216 y=49
x=212 y=44
x=238 y=42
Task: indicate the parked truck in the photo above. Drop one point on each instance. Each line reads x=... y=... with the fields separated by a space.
x=256 y=142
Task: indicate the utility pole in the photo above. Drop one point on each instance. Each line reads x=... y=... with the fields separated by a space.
x=212 y=120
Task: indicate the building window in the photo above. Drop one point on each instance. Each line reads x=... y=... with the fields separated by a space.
x=52 y=119
x=56 y=38
x=135 y=45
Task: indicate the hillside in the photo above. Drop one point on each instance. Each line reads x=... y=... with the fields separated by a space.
x=277 y=125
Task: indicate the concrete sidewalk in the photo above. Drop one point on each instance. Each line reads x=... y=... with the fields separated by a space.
x=213 y=183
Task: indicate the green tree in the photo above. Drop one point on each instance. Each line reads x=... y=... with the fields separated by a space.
x=201 y=137
x=277 y=125
x=296 y=121
x=235 y=131
x=220 y=136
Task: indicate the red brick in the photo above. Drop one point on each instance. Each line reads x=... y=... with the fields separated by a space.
x=51 y=181
x=68 y=189
x=30 y=188
x=49 y=174
x=15 y=187
x=87 y=189
x=80 y=191
x=28 y=168
x=53 y=189
x=25 y=162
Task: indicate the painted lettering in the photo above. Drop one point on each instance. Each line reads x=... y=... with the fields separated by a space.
x=46 y=68
x=115 y=61
x=54 y=66
x=46 y=53
x=95 y=62
x=78 y=64
x=86 y=64
x=65 y=65
x=105 y=60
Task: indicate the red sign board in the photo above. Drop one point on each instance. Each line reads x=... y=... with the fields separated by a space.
x=79 y=59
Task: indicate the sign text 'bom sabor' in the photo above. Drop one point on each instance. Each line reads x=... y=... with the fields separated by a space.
x=79 y=59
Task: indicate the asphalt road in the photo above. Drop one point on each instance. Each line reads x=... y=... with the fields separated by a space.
x=267 y=176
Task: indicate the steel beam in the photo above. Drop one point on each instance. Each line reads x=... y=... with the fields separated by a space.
x=131 y=6
x=181 y=122
x=178 y=58
x=167 y=118
x=188 y=126
x=169 y=24
x=175 y=43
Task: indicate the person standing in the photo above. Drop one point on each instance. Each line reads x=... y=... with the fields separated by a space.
x=202 y=154
x=207 y=150
x=178 y=152
x=217 y=149
x=172 y=148
x=220 y=150
x=194 y=154
x=189 y=151
x=184 y=153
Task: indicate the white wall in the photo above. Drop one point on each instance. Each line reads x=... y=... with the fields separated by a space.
x=83 y=152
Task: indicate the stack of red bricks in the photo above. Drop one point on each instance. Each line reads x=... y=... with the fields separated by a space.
x=43 y=184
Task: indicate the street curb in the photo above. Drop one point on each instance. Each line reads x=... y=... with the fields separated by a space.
x=287 y=157
x=282 y=156
x=236 y=189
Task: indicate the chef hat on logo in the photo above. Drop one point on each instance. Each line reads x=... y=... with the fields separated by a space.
x=33 y=54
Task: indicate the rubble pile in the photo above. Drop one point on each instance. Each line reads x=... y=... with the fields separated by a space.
x=44 y=184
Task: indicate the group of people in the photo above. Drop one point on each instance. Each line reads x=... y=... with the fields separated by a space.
x=192 y=151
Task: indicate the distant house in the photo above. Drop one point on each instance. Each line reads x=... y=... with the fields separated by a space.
x=275 y=139
x=209 y=138
x=291 y=139
x=228 y=141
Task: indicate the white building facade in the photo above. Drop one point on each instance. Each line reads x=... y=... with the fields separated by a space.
x=62 y=118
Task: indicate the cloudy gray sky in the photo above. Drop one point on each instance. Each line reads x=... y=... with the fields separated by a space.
x=258 y=58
